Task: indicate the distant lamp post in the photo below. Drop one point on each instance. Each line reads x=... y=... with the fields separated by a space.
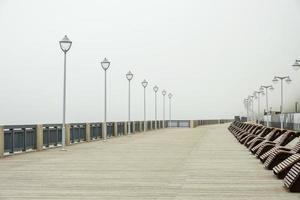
x=170 y=95
x=256 y=95
x=266 y=88
x=155 y=89
x=105 y=65
x=144 y=84
x=251 y=100
x=65 y=45
x=296 y=65
x=246 y=104
x=129 y=77
x=275 y=81
x=164 y=92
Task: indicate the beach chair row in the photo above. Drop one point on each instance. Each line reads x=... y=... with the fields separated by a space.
x=278 y=150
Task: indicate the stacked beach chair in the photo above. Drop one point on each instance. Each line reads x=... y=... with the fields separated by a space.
x=277 y=149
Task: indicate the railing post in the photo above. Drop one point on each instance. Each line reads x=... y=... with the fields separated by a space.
x=115 y=129
x=104 y=128
x=1 y=141
x=68 y=134
x=39 y=137
x=125 y=128
x=133 y=127
x=88 y=132
x=145 y=126
x=192 y=124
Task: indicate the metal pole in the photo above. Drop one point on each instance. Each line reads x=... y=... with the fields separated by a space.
x=64 y=103
x=252 y=102
x=281 y=106
x=267 y=105
x=164 y=109
x=247 y=106
x=155 y=110
x=169 y=112
x=258 y=107
x=145 y=125
x=104 y=123
x=129 y=130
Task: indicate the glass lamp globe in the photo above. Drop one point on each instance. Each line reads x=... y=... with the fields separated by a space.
x=164 y=92
x=129 y=76
x=261 y=89
x=105 y=64
x=296 y=65
x=144 y=83
x=275 y=80
x=65 y=44
x=155 y=88
x=288 y=80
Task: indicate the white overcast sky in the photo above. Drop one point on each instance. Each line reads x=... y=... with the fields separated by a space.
x=209 y=53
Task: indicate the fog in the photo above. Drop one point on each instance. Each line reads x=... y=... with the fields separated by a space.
x=209 y=54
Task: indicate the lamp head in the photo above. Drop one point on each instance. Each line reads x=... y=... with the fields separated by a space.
x=255 y=94
x=65 y=44
x=170 y=95
x=144 y=83
x=275 y=80
x=129 y=76
x=105 y=64
x=164 y=92
x=288 y=80
x=296 y=65
x=261 y=88
x=155 y=88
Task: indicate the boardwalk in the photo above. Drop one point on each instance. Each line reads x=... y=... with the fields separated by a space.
x=201 y=163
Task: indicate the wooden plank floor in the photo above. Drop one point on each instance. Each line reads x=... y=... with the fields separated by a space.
x=202 y=163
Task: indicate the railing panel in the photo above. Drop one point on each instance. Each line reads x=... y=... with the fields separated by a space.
x=30 y=139
x=8 y=141
x=19 y=138
x=137 y=126
x=149 y=125
x=52 y=135
x=109 y=129
x=82 y=133
x=96 y=130
x=121 y=128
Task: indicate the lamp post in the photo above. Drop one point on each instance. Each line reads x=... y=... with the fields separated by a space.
x=155 y=89
x=251 y=100
x=256 y=95
x=247 y=107
x=105 y=65
x=266 y=88
x=144 y=84
x=275 y=81
x=65 y=45
x=164 y=92
x=129 y=77
x=170 y=97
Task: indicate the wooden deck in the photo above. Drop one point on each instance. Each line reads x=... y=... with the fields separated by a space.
x=202 y=163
